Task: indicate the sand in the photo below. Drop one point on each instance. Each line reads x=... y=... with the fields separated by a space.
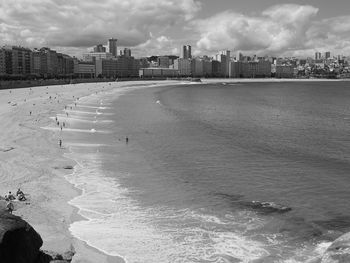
x=31 y=159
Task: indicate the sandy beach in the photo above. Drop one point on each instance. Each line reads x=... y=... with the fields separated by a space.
x=32 y=160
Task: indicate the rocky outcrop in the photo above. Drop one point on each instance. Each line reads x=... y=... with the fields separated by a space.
x=338 y=251
x=20 y=243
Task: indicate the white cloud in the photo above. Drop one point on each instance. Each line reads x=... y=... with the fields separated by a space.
x=276 y=29
x=75 y=23
x=161 y=45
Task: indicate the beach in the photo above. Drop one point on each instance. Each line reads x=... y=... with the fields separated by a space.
x=32 y=160
x=162 y=196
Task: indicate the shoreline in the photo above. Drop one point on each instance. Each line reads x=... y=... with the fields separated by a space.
x=35 y=163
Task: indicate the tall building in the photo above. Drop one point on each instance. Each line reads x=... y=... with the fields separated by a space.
x=317 y=55
x=327 y=55
x=112 y=44
x=99 y=48
x=186 y=52
x=183 y=66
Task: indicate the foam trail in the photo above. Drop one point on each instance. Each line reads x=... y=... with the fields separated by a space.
x=76 y=130
x=118 y=226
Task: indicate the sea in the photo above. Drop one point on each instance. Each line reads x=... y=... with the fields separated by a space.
x=212 y=172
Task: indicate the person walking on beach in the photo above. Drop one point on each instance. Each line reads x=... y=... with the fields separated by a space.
x=60 y=143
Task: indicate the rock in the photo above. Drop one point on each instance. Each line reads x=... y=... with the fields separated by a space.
x=338 y=251
x=19 y=242
x=267 y=207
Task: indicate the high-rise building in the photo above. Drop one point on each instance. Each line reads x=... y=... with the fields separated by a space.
x=112 y=45
x=99 y=48
x=186 y=52
x=127 y=52
x=327 y=55
x=317 y=55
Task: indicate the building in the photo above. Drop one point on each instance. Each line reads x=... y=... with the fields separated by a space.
x=127 y=67
x=207 y=68
x=216 y=68
x=127 y=52
x=2 y=62
x=16 y=61
x=197 y=67
x=186 y=52
x=327 y=55
x=317 y=55
x=163 y=62
x=112 y=44
x=99 y=48
x=65 y=66
x=106 y=68
x=284 y=71
x=84 y=69
x=224 y=58
x=92 y=56
x=183 y=66
x=251 y=69
x=158 y=73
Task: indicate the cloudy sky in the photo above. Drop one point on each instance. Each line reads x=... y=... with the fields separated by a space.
x=159 y=27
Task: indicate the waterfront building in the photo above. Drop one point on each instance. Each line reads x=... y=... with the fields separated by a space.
x=197 y=67
x=106 y=68
x=2 y=62
x=83 y=69
x=207 y=68
x=216 y=68
x=16 y=61
x=158 y=73
x=65 y=66
x=127 y=67
x=112 y=45
x=251 y=69
x=183 y=66
x=284 y=71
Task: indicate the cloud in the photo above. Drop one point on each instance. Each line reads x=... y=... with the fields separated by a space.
x=276 y=29
x=161 y=45
x=75 y=23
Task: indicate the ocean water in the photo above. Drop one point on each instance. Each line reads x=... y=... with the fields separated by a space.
x=255 y=172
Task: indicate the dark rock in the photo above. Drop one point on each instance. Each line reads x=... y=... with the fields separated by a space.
x=267 y=207
x=19 y=242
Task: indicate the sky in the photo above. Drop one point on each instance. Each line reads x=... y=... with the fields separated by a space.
x=160 y=27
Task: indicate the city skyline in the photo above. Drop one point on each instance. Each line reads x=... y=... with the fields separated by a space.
x=265 y=27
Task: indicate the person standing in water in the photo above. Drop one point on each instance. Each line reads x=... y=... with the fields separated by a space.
x=60 y=143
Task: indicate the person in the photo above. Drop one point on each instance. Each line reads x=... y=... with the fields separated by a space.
x=10 y=197
x=19 y=192
x=126 y=140
x=60 y=143
x=10 y=207
x=21 y=197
